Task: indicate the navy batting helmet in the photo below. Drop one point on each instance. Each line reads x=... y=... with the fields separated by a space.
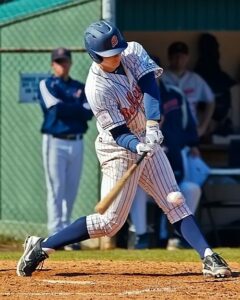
x=103 y=39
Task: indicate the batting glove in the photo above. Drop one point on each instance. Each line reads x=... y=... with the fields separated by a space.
x=153 y=133
x=141 y=148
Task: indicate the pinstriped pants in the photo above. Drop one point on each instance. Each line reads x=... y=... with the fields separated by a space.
x=154 y=175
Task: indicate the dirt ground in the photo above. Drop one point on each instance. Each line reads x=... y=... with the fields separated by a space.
x=103 y=280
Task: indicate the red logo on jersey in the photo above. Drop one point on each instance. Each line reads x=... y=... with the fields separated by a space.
x=170 y=105
x=114 y=41
x=134 y=99
x=189 y=91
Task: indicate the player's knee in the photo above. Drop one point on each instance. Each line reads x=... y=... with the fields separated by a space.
x=111 y=233
x=112 y=230
x=112 y=226
x=176 y=198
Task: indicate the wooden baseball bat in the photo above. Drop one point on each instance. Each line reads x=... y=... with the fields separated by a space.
x=104 y=204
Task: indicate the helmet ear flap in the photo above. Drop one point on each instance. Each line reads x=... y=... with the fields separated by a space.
x=95 y=57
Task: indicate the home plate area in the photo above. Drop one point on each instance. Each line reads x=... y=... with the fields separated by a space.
x=116 y=280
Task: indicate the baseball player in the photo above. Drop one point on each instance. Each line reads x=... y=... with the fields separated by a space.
x=123 y=94
x=190 y=83
x=65 y=116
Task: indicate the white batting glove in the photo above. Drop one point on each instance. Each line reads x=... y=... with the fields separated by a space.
x=153 y=133
x=141 y=148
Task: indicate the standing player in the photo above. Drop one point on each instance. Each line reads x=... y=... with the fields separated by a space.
x=191 y=84
x=65 y=116
x=123 y=94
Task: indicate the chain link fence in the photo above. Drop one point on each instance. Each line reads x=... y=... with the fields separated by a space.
x=25 y=46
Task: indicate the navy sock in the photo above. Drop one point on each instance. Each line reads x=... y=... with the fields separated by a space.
x=190 y=231
x=74 y=233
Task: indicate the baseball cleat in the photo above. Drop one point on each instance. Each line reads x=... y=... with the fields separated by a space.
x=214 y=265
x=142 y=241
x=33 y=255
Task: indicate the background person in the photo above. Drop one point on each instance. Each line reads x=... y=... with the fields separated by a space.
x=209 y=68
x=65 y=116
x=191 y=84
x=179 y=131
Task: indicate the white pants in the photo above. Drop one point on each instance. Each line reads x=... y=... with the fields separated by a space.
x=62 y=161
x=154 y=175
x=138 y=212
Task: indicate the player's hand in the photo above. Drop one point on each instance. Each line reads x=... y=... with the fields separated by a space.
x=141 y=148
x=153 y=133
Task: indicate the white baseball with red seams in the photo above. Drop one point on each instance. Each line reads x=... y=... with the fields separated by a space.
x=116 y=99
x=175 y=198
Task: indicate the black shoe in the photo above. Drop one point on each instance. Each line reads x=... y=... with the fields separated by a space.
x=142 y=241
x=33 y=255
x=72 y=247
x=162 y=243
x=214 y=265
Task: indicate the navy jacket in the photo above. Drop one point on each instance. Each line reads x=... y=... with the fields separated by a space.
x=64 y=106
x=178 y=128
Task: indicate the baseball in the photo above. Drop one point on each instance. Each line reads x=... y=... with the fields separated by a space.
x=175 y=198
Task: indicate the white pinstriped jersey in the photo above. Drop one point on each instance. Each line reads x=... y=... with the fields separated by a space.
x=117 y=99
x=194 y=87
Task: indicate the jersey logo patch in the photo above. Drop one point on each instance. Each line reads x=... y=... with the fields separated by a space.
x=104 y=118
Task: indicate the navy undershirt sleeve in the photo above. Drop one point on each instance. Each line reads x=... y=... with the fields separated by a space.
x=124 y=138
x=151 y=97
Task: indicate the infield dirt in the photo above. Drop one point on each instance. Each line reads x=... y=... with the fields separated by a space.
x=103 y=280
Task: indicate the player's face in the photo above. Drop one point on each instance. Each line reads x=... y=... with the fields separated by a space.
x=61 y=67
x=179 y=61
x=109 y=64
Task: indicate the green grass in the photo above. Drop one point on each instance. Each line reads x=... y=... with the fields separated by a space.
x=8 y=240
x=230 y=254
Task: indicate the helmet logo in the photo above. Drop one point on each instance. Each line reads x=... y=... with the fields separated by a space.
x=60 y=51
x=114 y=41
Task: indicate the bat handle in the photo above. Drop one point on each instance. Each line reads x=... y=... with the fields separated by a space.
x=141 y=158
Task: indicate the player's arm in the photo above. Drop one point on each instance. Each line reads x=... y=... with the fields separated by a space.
x=206 y=118
x=191 y=133
x=79 y=109
x=73 y=110
x=151 y=100
x=56 y=106
x=151 y=96
x=126 y=139
x=116 y=125
x=208 y=98
x=122 y=134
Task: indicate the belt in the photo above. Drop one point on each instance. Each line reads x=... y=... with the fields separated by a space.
x=70 y=137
